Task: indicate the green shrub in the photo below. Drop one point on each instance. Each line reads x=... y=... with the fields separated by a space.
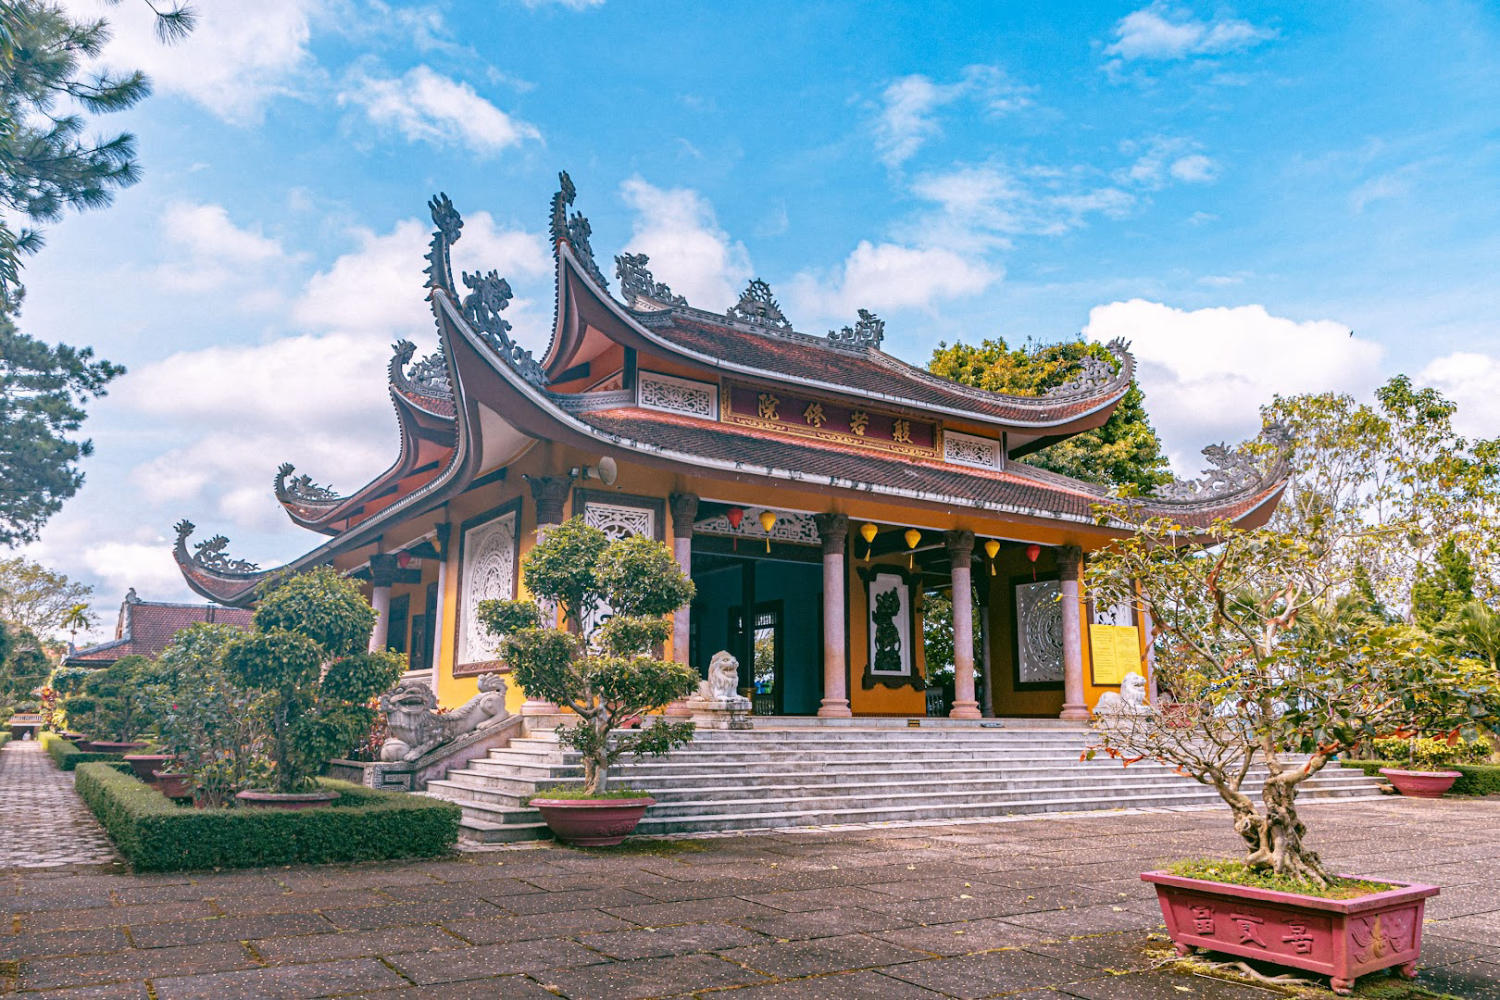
x=156 y=834
x=1478 y=779
x=67 y=757
x=4 y=738
x=1431 y=752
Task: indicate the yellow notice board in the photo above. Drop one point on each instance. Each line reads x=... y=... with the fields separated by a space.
x=1116 y=652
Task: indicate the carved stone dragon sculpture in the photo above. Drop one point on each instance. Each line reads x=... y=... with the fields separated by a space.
x=415 y=727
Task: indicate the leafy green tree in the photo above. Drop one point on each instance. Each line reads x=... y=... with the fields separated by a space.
x=33 y=597
x=113 y=700
x=47 y=89
x=1123 y=451
x=1441 y=590
x=307 y=657
x=605 y=671
x=24 y=667
x=937 y=639
x=43 y=390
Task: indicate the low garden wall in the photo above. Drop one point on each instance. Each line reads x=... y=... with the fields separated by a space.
x=66 y=756
x=1478 y=779
x=156 y=834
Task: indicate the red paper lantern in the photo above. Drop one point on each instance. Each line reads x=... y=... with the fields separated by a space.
x=403 y=559
x=1033 y=551
x=735 y=516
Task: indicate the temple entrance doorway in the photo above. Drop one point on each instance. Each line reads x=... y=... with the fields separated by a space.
x=766 y=609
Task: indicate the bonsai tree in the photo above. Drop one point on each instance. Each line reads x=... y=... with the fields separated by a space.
x=614 y=597
x=307 y=658
x=211 y=724
x=112 y=701
x=1276 y=661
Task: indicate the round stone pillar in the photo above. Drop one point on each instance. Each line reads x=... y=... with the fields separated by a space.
x=382 y=575
x=1070 y=569
x=684 y=512
x=961 y=552
x=833 y=529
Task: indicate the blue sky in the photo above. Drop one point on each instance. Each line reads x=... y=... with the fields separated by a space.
x=1234 y=187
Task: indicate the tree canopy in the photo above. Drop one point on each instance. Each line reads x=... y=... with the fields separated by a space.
x=35 y=598
x=1124 y=451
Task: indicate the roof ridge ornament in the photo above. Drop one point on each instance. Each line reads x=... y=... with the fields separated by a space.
x=637 y=282
x=1232 y=470
x=300 y=488
x=489 y=295
x=449 y=228
x=209 y=554
x=867 y=332
x=574 y=228
x=759 y=307
x=427 y=377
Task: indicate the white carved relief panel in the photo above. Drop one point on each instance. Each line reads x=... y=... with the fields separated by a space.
x=488 y=574
x=617 y=521
x=678 y=395
x=970 y=449
x=1039 y=632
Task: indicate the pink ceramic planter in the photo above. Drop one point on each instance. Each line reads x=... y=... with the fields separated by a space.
x=1340 y=938
x=592 y=822
x=1421 y=784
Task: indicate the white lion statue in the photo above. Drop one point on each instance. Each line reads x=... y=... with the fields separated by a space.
x=1131 y=699
x=723 y=682
x=415 y=727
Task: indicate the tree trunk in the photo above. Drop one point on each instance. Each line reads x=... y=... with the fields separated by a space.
x=1275 y=836
x=596 y=764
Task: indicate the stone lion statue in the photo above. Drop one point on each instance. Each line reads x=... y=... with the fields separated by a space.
x=414 y=726
x=723 y=682
x=1131 y=699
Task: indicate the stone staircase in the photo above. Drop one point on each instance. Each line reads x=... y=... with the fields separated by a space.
x=813 y=776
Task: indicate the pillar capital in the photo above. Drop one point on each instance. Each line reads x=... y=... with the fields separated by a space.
x=550 y=494
x=1070 y=562
x=833 y=529
x=383 y=569
x=684 y=513
x=960 y=546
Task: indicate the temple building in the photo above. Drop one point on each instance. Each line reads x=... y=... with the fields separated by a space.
x=815 y=488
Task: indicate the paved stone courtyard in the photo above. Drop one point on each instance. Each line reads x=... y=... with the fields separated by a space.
x=43 y=822
x=1040 y=908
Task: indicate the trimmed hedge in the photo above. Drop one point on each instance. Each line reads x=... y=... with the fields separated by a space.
x=4 y=738
x=66 y=756
x=156 y=834
x=1478 y=779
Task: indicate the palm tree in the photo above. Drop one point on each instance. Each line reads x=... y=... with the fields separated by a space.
x=75 y=618
x=1474 y=629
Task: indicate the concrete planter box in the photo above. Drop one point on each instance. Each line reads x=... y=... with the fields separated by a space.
x=173 y=785
x=146 y=764
x=592 y=822
x=1340 y=938
x=1421 y=784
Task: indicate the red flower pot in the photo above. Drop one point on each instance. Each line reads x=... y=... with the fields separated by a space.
x=261 y=799
x=107 y=746
x=145 y=765
x=1421 y=784
x=1340 y=938
x=172 y=785
x=593 y=822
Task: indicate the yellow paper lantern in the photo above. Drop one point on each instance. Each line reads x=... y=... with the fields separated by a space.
x=991 y=548
x=913 y=539
x=868 y=531
x=767 y=522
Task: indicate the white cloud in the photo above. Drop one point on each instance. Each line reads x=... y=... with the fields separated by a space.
x=146 y=566
x=1385 y=187
x=909 y=106
x=569 y=4
x=425 y=106
x=887 y=276
x=1162 y=159
x=1472 y=380
x=979 y=208
x=208 y=251
x=1160 y=32
x=1194 y=169
x=239 y=57
x=1206 y=372
x=676 y=227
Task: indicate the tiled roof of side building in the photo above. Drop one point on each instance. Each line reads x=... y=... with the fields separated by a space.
x=149 y=627
x=873 y=372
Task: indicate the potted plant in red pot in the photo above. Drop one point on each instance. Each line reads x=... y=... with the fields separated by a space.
x=1420 y=766
x=307 y=659
x=1291 y=663
x=613 y=597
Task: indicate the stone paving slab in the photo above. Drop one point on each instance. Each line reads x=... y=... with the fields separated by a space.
x=1047 y=909
x=46 y=823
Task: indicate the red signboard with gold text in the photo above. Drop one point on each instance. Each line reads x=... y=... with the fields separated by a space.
x=826 y=420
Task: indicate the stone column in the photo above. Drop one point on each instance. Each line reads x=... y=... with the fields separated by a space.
x=961 y=553
x=382 y=575
x=834 y=530
x=550 y=493
x=684 y=512
x=436 y=630
x=1070 y=568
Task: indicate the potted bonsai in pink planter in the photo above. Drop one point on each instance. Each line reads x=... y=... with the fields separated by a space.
x=1291 y=663
x=307 y=658
x=613 y=597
